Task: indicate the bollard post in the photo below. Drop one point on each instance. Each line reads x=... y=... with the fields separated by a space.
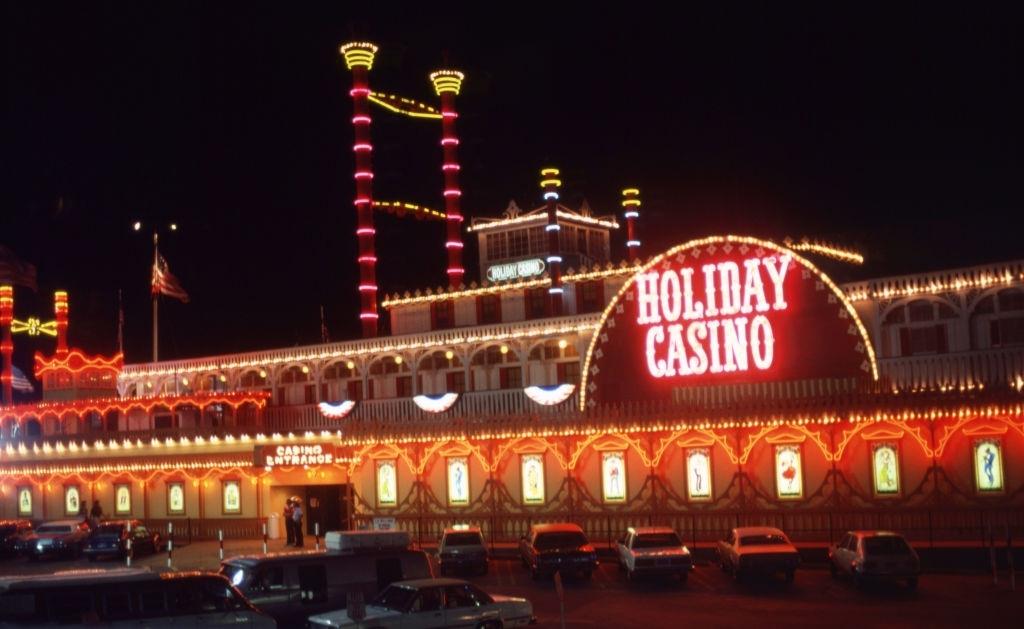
x=264 y=538
x=128 y=548
x=220 y=539
x=170 y=543
x=316 y=534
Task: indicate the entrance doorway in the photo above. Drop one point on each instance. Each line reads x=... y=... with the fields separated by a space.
x=328 y=506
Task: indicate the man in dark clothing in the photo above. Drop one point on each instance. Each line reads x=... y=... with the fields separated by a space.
x=289 y=525
x=297 y=522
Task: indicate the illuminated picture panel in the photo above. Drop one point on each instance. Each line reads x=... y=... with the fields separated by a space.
x=698 y=474
x=72 y=500
x=231 y=497
x=988 y=466
x=789 y=472
x=613 y=476
x=387 y=483
x=885 y=469
x=532 y=466
x=122 y=499
x=25 y=501
x=458 y=481
x=175 y=498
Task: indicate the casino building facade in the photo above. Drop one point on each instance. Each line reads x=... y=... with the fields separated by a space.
x=725 y=380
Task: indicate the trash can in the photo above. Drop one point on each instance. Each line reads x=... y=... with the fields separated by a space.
x=274 y=526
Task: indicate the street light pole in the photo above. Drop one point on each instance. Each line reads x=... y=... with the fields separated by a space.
x=156 y=300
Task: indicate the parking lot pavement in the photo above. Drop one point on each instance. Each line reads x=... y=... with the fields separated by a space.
x=709 y=597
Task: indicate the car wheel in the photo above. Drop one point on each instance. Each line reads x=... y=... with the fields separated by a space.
x=490 y=624
x=587 y=574
x=483 y=570
x=790 y=575
x=912 y=584
x=534 y=574
x=858 y=580
x=684 y=575
x=832 y=570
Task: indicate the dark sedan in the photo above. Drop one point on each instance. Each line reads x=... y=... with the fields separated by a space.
x=13 y=536
x=110 y=539
x=564 y=548
x=58 y=538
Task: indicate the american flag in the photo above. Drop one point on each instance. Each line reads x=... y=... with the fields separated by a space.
x=20 y=383
x=166 y=284
x=14 y=271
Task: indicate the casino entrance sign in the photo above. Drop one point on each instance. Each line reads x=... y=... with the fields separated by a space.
x=723 y=310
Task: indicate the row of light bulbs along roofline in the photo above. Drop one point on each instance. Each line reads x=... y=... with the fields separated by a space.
x=449 y=355
x=1014 y=411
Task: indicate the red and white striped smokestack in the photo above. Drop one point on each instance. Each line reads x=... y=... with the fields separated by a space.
x=359 y=59
x=7 y=343
x=550 y=184
x=447 y=84
x=60 y=312
x=631 y=212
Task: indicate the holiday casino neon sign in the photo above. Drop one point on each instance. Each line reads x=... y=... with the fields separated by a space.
x=720 y=311
x=711 y=319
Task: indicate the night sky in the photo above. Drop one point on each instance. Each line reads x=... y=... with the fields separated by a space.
x=897 y=134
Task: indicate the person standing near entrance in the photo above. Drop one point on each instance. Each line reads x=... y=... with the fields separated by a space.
x=289 y=525
x=297 y=521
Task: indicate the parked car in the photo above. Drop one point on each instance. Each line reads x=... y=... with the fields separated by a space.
x=562 y=547
x=874 y=555
x=653 y=550
x=125 y=597
x=62 y=538
x=290 y=586
x=435 y=603
x=462 y=548
x=758 y=550
x=13 y=536
x=110 y=539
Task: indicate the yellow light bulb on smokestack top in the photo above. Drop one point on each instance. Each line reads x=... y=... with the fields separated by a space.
x=447 y=81
x=359 y=54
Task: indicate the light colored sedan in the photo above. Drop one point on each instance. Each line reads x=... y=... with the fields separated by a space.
x=435 y=603
x=654 y=550
x=874 y=555
x=758 y=550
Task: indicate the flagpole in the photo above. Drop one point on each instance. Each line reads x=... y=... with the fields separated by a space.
x=120 y=323
x=156 y=296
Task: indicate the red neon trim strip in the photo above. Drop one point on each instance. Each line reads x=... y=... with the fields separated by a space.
x=449 y=114
x=366 y=259
x=451 y=167
x=365 y=231
x=361 y=201
x=454 y=244
x=367 y=287
x=450 y=142
x=359 y=91
x=453 y=193
x=368 y=315
x=362 y=147
x=364 y=175
x=456 y=271
x=360 y=120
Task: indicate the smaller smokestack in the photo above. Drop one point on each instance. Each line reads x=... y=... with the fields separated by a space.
x=550 y=184
x=631 y=207
x=60 y=311
x=447 y=84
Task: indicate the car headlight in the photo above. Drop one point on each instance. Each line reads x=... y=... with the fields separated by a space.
x=39 y=545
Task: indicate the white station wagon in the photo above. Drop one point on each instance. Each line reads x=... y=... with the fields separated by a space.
x=435 y=603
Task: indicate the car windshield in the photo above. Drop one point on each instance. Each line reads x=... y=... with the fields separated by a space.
x=769 y=539
x=547 y=541
x=656 y=540
x=395 y=597
x=886 y=545
x=463 y=539
x=54 y=528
